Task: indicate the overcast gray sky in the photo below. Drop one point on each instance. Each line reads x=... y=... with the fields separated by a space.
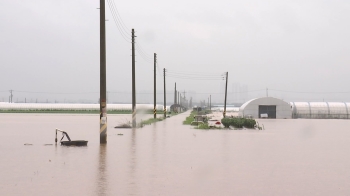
x=286 y=45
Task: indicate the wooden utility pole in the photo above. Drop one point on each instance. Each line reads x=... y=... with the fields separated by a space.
x=164 y=95
x=154 y=87
x=210 y=103
x=133 y=79
x=103 y=104
x=180 y=102
x=225 y=95
x=175 y=94
x=11 y=96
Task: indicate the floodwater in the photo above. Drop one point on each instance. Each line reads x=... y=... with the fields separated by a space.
x=289 y=157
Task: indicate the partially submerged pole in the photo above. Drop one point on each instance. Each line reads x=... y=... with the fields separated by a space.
x=103 y=105
x=56 y=137
x=210 y=103
x=154 y=88
x=133 y=80
x=175 y=94
x=224 y=114
x=164 y=95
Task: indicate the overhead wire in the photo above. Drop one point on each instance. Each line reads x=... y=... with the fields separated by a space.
x=122 y=22
x=197 y=72
x=122 y=28
x=122 y=31
x=115 y=13
x=195 y=75
x=142 y=55
x=142 y=50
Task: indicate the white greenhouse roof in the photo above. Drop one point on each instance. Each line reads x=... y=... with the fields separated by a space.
x=67 y=106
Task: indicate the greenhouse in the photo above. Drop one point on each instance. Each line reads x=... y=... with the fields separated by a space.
x=320 y=110
x=78 y=108
x=266 y=107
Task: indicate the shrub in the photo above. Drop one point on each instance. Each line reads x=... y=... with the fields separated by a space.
x=226 y=122
x=238 y=122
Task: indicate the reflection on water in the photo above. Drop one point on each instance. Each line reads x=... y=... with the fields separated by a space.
x=293 y=157
x=132 y=188
x=102 y=174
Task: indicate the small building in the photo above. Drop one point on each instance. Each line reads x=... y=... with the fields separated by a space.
x=266 y=107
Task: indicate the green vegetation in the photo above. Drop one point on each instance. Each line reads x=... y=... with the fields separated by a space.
x=150 y=121
x=204 y=126
x=190 y=118
x=238 y=122
x=153 y=120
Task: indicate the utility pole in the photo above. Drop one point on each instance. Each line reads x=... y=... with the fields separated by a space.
x=133 y=80
x=267 y=92
x=180 y=100
x=154 y=88
x=225 y=95
x=184 y=94
x=11 y=96
x=175 y=94
x=103 y=104
x=210 y=103
x=178 y=97
x=164 y=95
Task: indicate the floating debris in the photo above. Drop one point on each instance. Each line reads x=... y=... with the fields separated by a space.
x=26 y=144
x=123 y=126
x=119 y=134
x=70 y=142
x=48 y=144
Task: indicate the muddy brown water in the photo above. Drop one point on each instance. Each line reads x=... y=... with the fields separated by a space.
x=290 y=157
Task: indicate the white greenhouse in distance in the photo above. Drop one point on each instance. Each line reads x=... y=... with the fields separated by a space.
x=321 y=110
x=266 y=107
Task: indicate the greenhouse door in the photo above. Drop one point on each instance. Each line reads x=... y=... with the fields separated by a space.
x=267 y=111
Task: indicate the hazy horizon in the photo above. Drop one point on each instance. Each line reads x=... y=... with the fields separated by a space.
x=295 y=49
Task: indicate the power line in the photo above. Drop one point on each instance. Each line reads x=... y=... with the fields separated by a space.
x=122 y=28
x=122 y=23
x=197 y=72
x=138 y=44
x=116 y=15
x=143 y=56
x=194 y=75
x=194 y=78
x=122 y=31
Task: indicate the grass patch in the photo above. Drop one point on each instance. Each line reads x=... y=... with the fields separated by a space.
x=203 y=126
x=150 y=121
x=190 y=118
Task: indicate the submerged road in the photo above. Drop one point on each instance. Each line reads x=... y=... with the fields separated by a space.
x=290 y=157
